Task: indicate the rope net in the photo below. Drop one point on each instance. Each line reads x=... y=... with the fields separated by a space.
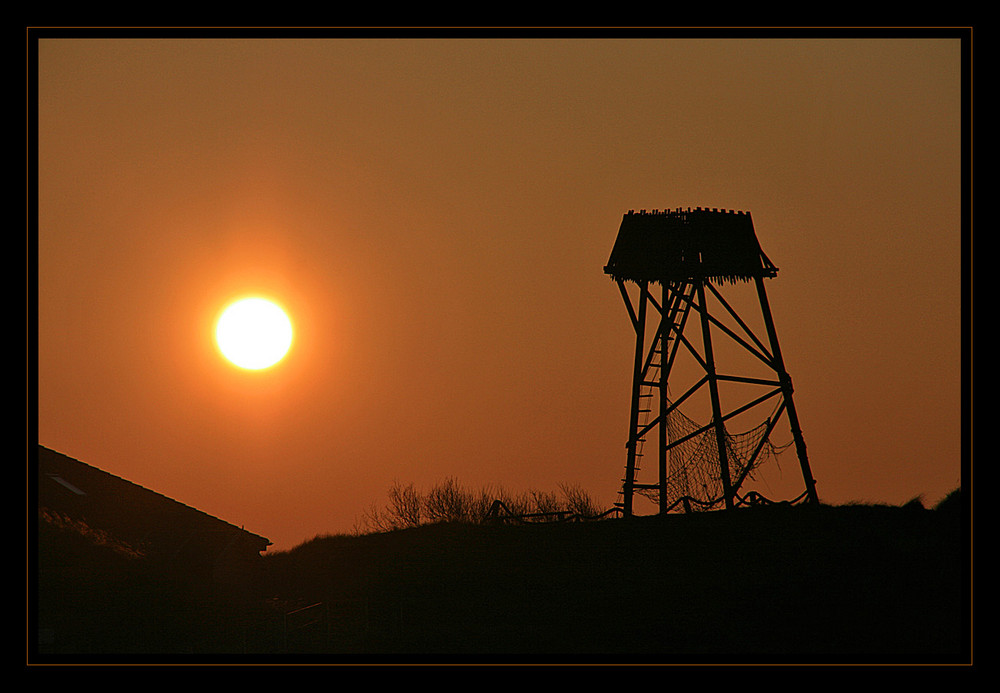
x=694 y=476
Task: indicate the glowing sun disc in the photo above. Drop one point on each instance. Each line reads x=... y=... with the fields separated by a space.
x=253 y=333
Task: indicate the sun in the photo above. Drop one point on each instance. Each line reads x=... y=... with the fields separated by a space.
x=254 y=333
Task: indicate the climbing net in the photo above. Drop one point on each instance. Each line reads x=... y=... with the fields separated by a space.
x=694 y=472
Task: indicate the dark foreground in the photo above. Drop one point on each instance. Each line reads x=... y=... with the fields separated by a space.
x=844 y=584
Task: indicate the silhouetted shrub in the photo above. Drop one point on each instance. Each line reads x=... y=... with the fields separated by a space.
x=953 y=502
x=579 y=502
x=449 y=501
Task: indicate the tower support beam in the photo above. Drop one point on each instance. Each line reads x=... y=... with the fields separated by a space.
x=637 y=375
x=713 y=388
x=786 y=386
x=666 y=322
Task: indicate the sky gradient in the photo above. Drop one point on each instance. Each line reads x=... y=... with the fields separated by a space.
x=435 y=216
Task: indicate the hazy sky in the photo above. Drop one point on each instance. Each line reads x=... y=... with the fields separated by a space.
x=436 y=214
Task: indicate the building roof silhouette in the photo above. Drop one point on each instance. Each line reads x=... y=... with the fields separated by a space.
x=71 y=492
x=687 y=245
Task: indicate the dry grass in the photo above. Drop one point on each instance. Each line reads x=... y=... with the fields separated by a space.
x=449 y=501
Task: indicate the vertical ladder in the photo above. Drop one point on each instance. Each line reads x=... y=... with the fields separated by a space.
x=652 y=376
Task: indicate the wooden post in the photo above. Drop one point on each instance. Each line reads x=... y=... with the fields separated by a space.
x=640 y=333
x=713 y=387
x=786 y=388
x=666 y=321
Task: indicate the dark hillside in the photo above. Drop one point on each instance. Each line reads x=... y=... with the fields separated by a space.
x=769 y=584
x=765 y=584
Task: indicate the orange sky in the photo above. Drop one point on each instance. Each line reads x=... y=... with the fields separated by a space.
x=436 y=215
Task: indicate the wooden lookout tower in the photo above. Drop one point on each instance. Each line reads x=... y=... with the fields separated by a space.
x=692 y=254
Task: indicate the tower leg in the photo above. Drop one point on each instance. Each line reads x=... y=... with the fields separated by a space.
x=786 y=387
x=713 y=387
x=640 y=334
x=666 y=320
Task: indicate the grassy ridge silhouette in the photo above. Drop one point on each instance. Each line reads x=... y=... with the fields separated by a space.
x=855 y=581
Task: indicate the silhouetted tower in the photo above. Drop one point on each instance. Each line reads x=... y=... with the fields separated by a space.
x=691 y=255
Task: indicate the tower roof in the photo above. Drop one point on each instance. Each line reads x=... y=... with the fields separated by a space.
x=680 y=245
